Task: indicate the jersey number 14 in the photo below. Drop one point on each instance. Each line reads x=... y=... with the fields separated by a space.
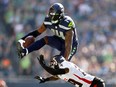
x=58 y=33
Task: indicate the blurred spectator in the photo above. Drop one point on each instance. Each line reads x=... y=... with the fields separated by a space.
x=6 y=67
x=2 y=45
x=25 y=66
x=3 y=83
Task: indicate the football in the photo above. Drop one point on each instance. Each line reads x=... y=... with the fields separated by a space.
x=28 y=41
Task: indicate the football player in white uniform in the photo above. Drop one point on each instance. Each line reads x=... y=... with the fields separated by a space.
x=60 y=68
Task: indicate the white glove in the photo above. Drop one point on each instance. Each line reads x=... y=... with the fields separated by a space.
x=21 y=41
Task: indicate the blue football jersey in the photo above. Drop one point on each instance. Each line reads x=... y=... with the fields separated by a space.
x=62 y=27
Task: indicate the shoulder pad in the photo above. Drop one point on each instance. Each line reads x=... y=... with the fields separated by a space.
x=69 y=21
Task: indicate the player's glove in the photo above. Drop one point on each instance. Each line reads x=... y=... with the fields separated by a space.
x=41 y=60
x=41 y=79
x=20 y=48
x=21 y=41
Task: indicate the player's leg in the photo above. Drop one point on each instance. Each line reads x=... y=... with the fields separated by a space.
x=33 y=47
x=55 y=42
x=97 y=82
x=37 y=45
x=59 y=44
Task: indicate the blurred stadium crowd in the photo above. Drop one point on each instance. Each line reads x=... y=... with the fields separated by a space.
x=96 y=25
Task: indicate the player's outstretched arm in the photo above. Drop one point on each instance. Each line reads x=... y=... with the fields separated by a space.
x=21 y=41
x=43 y=80
x=68 y=43
x=36 y=32
x=51 y=70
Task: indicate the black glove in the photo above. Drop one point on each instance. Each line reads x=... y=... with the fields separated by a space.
x=41 y=60
x=41 y=79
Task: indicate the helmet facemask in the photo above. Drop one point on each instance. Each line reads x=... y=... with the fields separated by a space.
x=56 y=61
x=54 y=64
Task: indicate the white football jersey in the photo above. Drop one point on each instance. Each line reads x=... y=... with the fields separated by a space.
x=76 y=75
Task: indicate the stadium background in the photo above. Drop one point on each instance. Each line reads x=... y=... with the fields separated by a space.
x=96 y=25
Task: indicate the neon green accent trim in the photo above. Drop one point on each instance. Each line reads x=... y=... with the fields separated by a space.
x=70 y=24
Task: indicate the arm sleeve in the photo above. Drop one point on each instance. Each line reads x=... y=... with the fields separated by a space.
x=34 y=33
x=53 y=71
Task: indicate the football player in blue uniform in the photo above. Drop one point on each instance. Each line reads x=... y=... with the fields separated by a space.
x=64 y=38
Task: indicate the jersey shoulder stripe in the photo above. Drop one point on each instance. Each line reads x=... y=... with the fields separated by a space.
x=64 y=27
x=47 y=21
x=67 y=22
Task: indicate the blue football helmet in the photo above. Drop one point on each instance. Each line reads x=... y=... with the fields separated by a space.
x=56 y=12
